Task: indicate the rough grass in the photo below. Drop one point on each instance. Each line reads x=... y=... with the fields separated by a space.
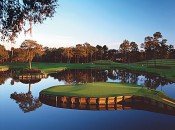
x=103 y=89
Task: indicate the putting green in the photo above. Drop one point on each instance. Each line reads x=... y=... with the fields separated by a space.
x=103 y=89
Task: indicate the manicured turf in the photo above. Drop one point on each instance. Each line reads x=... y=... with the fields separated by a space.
x=162 y=62
x=103 y=89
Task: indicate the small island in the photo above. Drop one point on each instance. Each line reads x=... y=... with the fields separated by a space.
x=106 y=90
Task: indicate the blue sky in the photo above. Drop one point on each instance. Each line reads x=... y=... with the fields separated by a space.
x=105 y=22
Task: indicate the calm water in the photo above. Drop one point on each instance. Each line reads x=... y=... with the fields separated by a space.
x=21 y=108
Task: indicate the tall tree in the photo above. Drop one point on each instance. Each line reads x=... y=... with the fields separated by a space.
x=105 y=52
x=155 y=46
x=99 y=52
x=124 y=49
x=92 y=53
x=32 y=49
x=19 y=55
x=68 y=53
x=3 y=54
x=15 y=14
x=133 y=56
x=79 y=52
x=112 y=54
x=87 y=47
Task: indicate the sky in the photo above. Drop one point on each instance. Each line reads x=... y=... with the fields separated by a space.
x=104 y=22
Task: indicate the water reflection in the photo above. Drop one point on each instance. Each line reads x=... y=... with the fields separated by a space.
x=26 y=101
x=3 y=77
x=95 y=75
x=125 y=76
x=46 y=117
x=109 y=103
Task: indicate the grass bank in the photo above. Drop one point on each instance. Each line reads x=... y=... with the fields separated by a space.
x=103 y=89
x=165 y=67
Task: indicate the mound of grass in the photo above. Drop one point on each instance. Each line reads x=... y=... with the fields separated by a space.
x=103 y=89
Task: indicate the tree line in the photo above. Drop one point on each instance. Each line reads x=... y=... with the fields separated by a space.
x=153 y=47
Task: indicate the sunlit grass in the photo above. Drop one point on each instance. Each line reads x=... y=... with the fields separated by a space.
x=103 y=89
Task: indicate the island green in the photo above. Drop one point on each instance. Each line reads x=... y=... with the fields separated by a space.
x=104 y=89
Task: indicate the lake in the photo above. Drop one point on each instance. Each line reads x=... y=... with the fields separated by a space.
x=21 y=107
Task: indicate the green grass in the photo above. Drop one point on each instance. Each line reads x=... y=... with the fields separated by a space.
x=104 y=62
x=162 y=62
x=139 y=66
x=103 y=89
x=168 y=73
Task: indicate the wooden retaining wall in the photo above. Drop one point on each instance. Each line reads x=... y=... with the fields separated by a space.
x=29 y=77
x=109 y=103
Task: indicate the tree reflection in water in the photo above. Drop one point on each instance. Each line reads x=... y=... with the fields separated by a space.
x=26 y=101
x=151 y=81
x=3 y=77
